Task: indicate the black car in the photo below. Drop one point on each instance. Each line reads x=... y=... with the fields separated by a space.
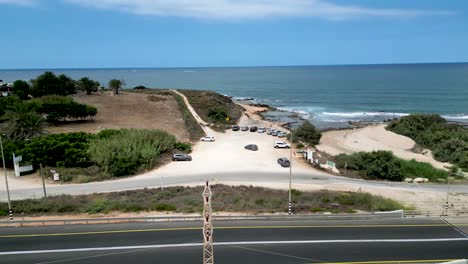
x=181 y=157
x=253 y=129
x=252 y=147
x=235 y=128
x=284 y=162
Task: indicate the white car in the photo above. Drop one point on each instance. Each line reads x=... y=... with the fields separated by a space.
x=208 y=139
x=281 y=144
x=261 y=130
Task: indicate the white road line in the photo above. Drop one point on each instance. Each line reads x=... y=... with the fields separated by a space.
x=233 y=243
x=456 y=228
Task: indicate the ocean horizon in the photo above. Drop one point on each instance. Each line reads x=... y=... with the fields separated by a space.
x=325 y=94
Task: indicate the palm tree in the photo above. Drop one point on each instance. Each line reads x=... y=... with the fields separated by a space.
x=115 y=85
x=21 y=122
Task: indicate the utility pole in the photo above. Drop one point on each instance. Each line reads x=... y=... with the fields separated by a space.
x=43 y=182
x=290 y=174
x=162 y=182
x=446 y=207
x=208 y=257
x=10 y=211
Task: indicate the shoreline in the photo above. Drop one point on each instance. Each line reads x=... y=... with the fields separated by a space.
x=344 y=120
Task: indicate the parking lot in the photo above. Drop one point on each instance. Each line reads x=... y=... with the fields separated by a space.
x=227 y=154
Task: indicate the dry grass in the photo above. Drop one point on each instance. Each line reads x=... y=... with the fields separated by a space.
x=129 y=110
x=240 y=199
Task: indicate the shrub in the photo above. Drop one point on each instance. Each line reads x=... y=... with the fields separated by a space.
x=448 y=142
x=125 y=152
x=307 y=133
x=58 y=150
x=60 y=108
x=139 y=87
x=184 y=147
x=384 y=165
x=218 y=114
x=21 y=89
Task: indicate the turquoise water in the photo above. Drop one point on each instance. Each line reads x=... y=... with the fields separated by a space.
x=325 y=94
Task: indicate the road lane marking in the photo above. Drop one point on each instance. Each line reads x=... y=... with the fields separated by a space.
x=392 y=261
x=455 y=228
x=181 y=245
x=220 y=228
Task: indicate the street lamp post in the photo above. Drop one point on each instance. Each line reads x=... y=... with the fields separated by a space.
x=10 y=212
x=290 y=175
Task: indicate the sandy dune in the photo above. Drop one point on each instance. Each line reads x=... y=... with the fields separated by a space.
x=374 y=138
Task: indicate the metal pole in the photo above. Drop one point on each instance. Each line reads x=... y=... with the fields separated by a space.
x=43 y=182
x=162 y=182
x=10 y=211
x=447 y=199
x=290 y=174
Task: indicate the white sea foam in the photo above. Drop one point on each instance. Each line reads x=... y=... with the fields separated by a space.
x=457 y=117
x=364 y=114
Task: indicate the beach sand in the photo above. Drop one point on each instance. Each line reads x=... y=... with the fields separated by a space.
x=371 y=138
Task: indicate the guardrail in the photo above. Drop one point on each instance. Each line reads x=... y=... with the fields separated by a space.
x=151 y=219
x=436 y=213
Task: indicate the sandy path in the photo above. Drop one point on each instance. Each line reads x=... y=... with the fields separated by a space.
x=374 y=138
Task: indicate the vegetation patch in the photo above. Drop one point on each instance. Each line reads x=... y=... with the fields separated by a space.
x=214 y=108
x=448 y=142
x=84 y=157
x=384 y=165
x=60 y=108
x=306 y=133
x=124 y=152
x=188 y=200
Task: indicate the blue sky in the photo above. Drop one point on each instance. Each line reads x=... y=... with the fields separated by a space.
x=211 y=33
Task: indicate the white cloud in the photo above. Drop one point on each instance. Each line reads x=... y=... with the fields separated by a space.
x=251 y=9
x=19 y=2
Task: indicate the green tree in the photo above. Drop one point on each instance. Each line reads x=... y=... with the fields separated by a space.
x=49 y=84
x=116 y=85
x=22 y=122
x=21 y=89
x=307 y=133
x=88 y=85
x=67 y=84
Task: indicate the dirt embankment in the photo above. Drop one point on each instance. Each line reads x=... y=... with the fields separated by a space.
x=129 y=110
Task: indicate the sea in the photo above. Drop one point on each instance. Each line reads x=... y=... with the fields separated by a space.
x=329 y=96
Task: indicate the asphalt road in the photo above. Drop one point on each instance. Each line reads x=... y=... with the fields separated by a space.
x=299 y=241
x=245 y=178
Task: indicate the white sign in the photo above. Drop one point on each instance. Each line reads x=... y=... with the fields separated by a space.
x=26 y=168
x=56 y=177
x=17 y=159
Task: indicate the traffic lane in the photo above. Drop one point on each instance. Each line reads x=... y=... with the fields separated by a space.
x=246 y=254
x=285 y=221
x=227 y=234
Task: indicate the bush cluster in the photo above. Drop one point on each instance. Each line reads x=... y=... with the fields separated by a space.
x=372 y=165
x=123 y=152
x=50 y=84
x=448 y=142
x=218 y=114
x=57 y=150
x=213 y=107
x=384 y=165
x=306 y=133
x=59 y=108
